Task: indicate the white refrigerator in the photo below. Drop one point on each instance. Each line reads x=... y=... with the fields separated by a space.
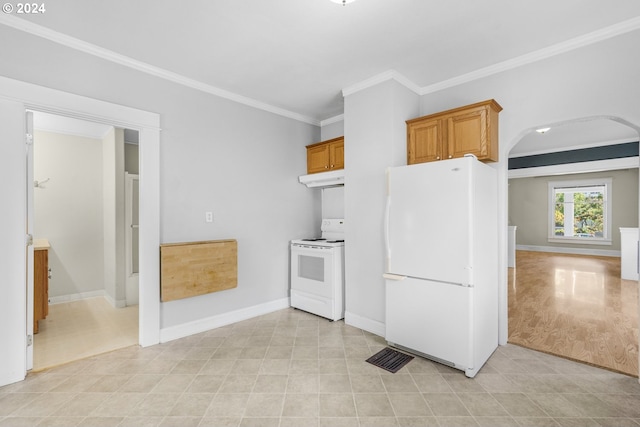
x=441 y=238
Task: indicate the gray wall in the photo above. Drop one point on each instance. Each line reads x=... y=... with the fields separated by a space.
x=242 y=163
x=375 y=138
x=216 y=155
x=332 y=130
x=529 y=200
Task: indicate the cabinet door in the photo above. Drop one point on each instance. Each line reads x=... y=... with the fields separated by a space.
x=425 y=141
x=336 y=155
x=318 y=158
x=40 y=287
x=467 y=134
x=45 y=293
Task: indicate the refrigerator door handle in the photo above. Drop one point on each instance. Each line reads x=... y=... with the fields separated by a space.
x=387 y=245
x=395 y=277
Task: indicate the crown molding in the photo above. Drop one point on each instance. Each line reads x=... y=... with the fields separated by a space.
x=381 y=78
x=77 y=44
x=106 y=54
x=331 y=120
x=538 y=55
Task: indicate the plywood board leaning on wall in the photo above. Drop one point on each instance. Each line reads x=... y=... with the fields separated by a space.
x=197 y=268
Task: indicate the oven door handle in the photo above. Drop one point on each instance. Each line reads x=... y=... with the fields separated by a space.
x=387 y=243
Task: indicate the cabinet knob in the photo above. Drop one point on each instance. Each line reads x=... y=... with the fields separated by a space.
x=326 y=167
x=450 y=156
x=437 y=157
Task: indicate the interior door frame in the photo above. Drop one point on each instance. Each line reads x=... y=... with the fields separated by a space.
x=30 y=222
x=132 y=278
x=39 y=98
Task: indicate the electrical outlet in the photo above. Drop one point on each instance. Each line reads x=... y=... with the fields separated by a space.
x=208 y=216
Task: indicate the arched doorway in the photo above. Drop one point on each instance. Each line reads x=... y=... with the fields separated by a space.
x=562 y=309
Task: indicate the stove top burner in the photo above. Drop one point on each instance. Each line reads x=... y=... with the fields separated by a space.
x=319 y=239
x=335 y=241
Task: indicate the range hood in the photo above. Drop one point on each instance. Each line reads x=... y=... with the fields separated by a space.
x=323 y=179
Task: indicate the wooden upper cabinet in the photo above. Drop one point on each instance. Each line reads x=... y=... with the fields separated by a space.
x=336 y=154
x=424 y=140
x=317 y=158
x=326 y=155
x=472 y=129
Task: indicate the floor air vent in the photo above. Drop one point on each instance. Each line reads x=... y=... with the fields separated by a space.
x=390 y=360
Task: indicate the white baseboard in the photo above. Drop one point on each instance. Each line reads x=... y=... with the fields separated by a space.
x=373 y=326
x=563 y=250
x=186 y=329
x=115 y=303
x=76 y=297
x=11 y=378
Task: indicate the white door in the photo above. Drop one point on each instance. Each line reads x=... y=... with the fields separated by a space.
x=429 y=220
x=132 y=238
x=13 y=258
x=312 y=271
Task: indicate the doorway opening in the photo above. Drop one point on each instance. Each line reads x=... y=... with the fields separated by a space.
x=79 y=199
x=566 y=295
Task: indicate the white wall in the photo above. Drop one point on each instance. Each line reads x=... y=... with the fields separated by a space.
x=375 y=138
x=333 y=202
x=69 y=211
x=215 y=155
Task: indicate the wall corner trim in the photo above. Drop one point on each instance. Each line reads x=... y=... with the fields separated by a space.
x=331 y=120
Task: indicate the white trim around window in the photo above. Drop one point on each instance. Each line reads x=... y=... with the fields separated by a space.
x=570 y=187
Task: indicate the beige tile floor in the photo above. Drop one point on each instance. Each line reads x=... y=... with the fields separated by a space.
x=79 y=329
x=290 y=368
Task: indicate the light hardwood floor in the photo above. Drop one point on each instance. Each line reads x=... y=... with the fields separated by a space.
x=78 y=329
x=576 y=307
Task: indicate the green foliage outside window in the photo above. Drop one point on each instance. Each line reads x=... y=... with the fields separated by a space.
x=588 y=213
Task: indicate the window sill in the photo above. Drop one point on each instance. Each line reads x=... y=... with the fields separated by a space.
x=580 y=241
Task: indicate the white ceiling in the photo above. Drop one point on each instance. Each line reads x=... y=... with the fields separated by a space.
x=298 y=55
x=573 y=135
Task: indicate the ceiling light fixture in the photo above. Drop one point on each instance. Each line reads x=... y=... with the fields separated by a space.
x=542 y=130
x=342 y=2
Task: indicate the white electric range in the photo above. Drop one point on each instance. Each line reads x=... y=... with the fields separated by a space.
x=317 y=271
